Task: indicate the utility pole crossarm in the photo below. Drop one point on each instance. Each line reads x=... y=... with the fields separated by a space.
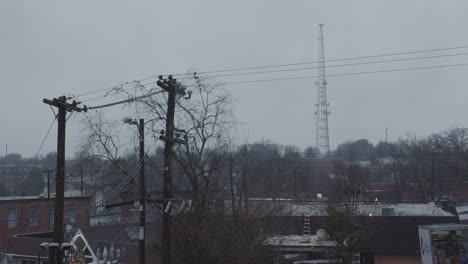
x=62 y=102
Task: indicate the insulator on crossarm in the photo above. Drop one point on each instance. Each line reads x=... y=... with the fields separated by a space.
x=168 y=207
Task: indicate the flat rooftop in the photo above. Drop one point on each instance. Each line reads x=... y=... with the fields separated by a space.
x=36 y=197
x=298 y=241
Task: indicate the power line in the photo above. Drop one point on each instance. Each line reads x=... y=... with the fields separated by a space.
x=116 y=92
x=335 y=65
x=341 y=59
x=45 y=137
x=125 y=101
x=269 y=66
x=113 y=93
x=115 y=86
x=348 y=74
x=314 y=76
x=114 y=190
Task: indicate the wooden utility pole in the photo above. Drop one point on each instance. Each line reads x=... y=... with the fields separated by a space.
x=142 y=203
x=48 y=191
x=60 y=176
x=141 y=130
x=295 y=185
x=81 y=183
x=63 y=107
x=171 y=86
x=231 y=177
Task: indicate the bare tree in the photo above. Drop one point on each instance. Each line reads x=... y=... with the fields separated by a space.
x=349 y=183
x=202 y=235
x=347 y=197
x=457 y=141
x=435 y=164
x=205 y=119
x=102 y=141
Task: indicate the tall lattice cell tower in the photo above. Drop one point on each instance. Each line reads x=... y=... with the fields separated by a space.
x=322 y=113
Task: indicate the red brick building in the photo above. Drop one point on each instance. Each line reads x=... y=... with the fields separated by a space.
x=31 y=214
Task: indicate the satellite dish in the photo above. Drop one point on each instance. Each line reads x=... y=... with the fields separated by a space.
x=321 y=234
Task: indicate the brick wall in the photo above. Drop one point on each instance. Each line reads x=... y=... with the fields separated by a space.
x=32 y=215
x=382 y=259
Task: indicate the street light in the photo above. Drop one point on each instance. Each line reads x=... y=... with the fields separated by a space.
x=141 y=132
x=130 y=121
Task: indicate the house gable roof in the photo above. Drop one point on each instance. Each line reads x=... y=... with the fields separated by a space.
x=25 y=246
x=105 y=234
x=95 y=238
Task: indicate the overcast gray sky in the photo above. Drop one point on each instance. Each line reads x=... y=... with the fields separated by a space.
x=49 y=48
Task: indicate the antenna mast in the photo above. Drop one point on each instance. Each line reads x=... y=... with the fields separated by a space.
x=322 y=113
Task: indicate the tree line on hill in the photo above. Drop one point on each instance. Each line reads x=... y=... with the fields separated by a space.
x=434 y=165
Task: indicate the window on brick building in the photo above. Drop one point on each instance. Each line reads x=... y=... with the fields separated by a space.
x=51 y=215
x=72 y=212
x=34 y=215
x=12 y=217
